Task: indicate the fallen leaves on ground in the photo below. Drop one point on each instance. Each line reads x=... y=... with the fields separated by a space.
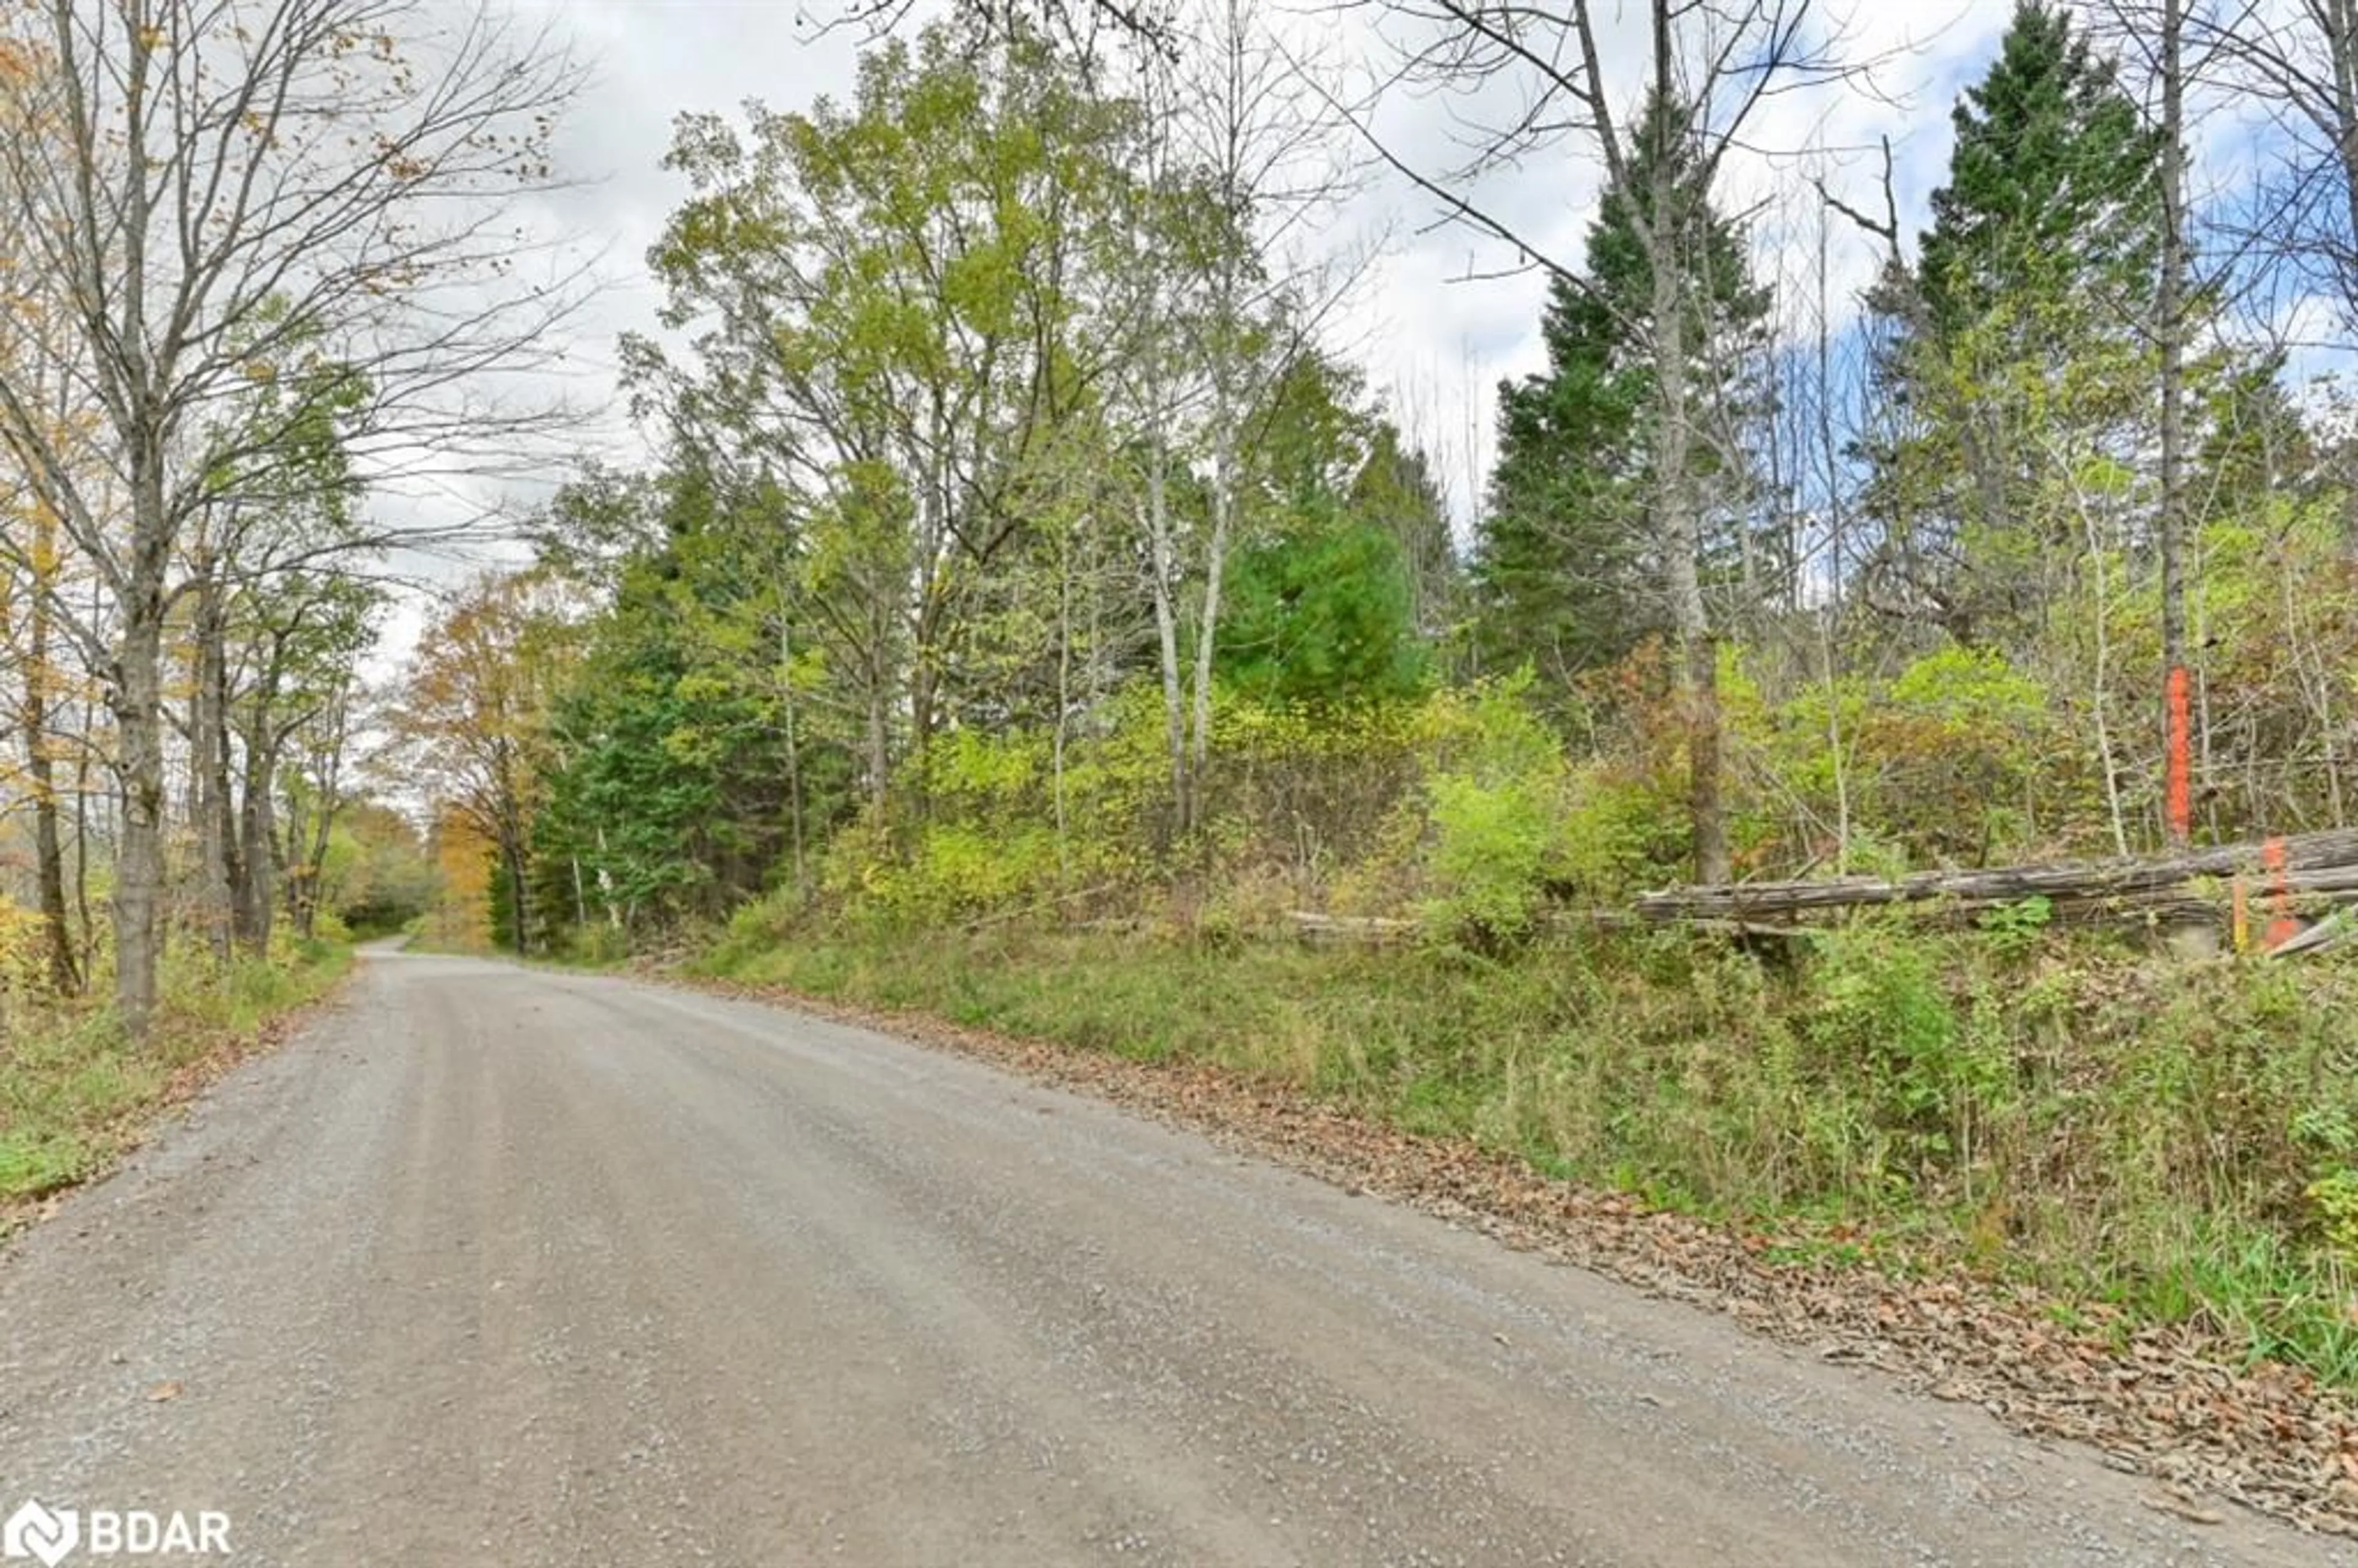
x=2173 y=1402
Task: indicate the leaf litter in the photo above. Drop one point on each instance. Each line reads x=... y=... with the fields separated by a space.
x=2179 y=1404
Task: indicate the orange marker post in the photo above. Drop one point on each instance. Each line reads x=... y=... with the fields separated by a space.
x=2282 y=926
x=2181 y=759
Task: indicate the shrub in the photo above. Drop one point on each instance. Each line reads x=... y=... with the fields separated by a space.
x=1947 y=760
x=1493 y=847
x=1495 y=798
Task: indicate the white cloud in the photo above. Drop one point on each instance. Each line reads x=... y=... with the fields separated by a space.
x=1448 y=319
x=1440 y=320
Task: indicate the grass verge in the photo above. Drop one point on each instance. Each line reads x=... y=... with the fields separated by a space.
x=76 y=1095
x=2150 y=1143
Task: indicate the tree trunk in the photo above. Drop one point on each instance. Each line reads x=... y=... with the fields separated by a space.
x=40 y=766
x=520 y=905
x=311 y=860
x=2168 y=300
x=48 y=845
x=89 y=940
x=315 y=869
x=2100 y=618
x=2339 y=20
x=256 y=854
x=1064 y=704
x=146 y=429
x=508 y=822
x=210 y=804
x=1698 y=653
x=1166 y=625
x=257 y=885
x=293 y=856
x=879 y=735
x=794 y=744
x=1216 y=556
x=139 y=844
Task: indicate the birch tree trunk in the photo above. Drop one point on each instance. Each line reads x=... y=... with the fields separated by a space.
x=1674 y=500
x=1164 y=568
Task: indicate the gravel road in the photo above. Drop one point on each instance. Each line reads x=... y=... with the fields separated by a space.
x=501 y=1267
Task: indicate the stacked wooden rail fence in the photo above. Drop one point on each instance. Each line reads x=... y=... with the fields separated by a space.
x=2305 y=863
x=2275 y=889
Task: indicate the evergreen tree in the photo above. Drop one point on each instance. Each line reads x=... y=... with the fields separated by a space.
x=2015 y=351
x=1322 y=613
x=1563 y=573
x=1344 y=541
x=2053 y=199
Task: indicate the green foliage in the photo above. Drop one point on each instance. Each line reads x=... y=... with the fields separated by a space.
x=1493 y=847
x=596 y=946
x=1565 y=568
x=2015 y=358
x=1621 y=832
x=1950 y=752
x=2014 y=929
x=2053 y=182
x=984 y=847
x=957 y=871
x=877 y=674
x=1945 y=762
x=75 y=1093
x=672 y=799
x=870 y=280
x=1322 y=613
x=1882 y=1002
x=1495 y=797
x=378 y=876
x=2335 y=1194
x=2331 y=1133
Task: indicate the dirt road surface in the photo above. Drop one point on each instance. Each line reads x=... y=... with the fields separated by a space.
x=523 y=1270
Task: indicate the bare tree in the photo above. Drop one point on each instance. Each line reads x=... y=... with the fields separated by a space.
x=2169 y=330
x=2156 y=33
x=1245 y=150
x=2297 y=63
x=219 y=190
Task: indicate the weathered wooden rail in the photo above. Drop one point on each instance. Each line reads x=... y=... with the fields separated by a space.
x=2311 y=862
x=2276 y=876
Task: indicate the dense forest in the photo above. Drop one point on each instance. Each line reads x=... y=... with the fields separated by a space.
x=1018 y=540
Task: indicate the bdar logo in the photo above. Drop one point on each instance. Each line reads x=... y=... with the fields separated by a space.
x=35 y=1532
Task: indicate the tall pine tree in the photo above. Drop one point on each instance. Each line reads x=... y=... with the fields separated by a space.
x=1565 y=575
x=2016 y=352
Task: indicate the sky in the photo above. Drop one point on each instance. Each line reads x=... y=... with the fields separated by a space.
x=1441 y=314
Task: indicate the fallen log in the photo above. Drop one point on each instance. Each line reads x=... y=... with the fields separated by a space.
x=1351 y=930
x=2313 y=863
x=1318 y=929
